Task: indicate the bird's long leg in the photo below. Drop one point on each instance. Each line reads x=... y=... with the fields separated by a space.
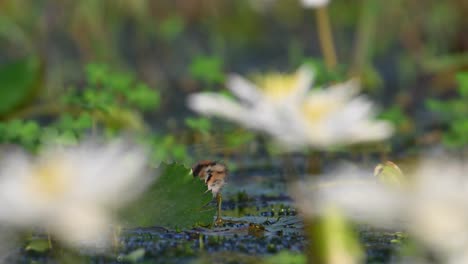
x=219 y=200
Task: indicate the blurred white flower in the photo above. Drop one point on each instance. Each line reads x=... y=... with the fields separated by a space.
x=263 y=5
x=433 y=207
x=314 y=3
x=282 y=106
x=267 y=107
x=337 y=115
x=71 y=192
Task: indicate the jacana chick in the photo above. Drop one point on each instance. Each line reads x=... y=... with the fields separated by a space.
x=214 y=175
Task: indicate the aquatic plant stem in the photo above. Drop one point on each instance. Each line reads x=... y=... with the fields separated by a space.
x=326 y=37
x=365 y=36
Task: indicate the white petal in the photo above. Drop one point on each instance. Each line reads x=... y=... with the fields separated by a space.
x=243 y=89
x=305 y=80
x=212 y=104
x=108 y=174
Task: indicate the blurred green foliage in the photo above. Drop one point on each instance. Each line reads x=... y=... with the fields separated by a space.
x=397 y=116
x=199 y=124
x=454 y=114
x=207 y=69
x=19 y=82
x=112 y=88
x=171 y=27
x=167 y=148
x=111 y=101
x=322 y=75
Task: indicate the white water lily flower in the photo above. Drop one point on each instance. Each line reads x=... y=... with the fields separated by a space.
x=71 y=191
x=337 y=115
x=433 y=208
x=282 y=106
x=267 y=107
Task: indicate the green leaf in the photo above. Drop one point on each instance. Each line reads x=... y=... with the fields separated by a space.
x=200 y=124
x=119 y=81
x=38 y=245
x=175 y=200
x=208 y=69
x=67 y=138
x=143 y=97
x=83 y=122
x=18 y=83
x=96 y=73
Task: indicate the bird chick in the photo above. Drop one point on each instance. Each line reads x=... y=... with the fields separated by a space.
x=214 y=175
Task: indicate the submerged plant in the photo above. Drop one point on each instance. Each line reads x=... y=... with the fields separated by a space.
x=282 y=106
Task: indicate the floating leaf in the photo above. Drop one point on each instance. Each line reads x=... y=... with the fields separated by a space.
x=175 y=200
x=19 y=82
x=389 y=173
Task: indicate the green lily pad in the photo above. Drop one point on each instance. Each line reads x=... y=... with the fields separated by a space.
x=176 y=200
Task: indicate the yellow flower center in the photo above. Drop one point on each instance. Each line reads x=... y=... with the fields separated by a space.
x=316 y=110
x=277 y=86
x=50 y=181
